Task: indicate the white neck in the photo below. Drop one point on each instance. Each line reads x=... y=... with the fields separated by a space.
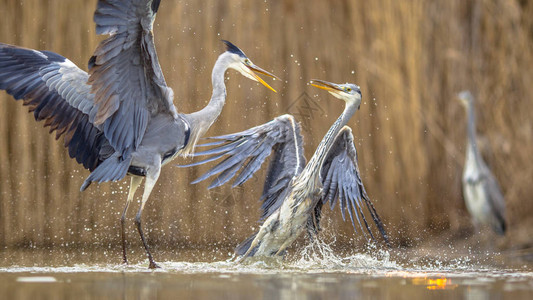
x=311 y=173
x=201 y=120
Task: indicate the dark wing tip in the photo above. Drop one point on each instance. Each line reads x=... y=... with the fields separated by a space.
x=243 y=247
x=233 y=49
x=92 y=62
x=155 y=5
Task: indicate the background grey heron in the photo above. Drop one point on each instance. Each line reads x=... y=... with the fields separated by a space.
x=294 y=191
x=482 y=194
x=119 y=118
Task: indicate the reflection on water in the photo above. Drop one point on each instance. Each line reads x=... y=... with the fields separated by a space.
x=314 y=272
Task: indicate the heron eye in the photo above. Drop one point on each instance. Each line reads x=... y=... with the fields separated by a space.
x=247 y=61
x=348 y=89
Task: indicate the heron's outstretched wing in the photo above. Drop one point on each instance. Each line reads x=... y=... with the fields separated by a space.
x=342 y=183
x=56 y=91
x=247 y=150
x=125 y=74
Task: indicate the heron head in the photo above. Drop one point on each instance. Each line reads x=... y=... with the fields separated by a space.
x=242 y=64
x=348 y=92
x=466 y=98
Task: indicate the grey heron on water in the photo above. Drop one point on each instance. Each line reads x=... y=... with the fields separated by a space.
x=295 y=191
x=118 y=118
x=482 y=194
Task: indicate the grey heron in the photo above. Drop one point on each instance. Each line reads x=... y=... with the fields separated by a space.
x=483 y=197
x=295 y=191
x=118 y=118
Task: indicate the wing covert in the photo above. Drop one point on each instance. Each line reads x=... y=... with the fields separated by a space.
x=125 y=74
x=496 y=200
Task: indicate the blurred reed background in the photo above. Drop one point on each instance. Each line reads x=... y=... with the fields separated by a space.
x=409 y=57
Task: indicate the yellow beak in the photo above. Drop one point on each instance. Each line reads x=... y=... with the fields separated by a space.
x=255 y=69
x=325 y=85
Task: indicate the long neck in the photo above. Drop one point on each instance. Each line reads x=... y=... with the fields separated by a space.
x=471 y=143
x=313 y=168
x=201 y=120
x=211 y=111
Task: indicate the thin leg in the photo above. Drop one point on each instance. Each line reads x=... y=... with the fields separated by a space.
x=135 y=182
x=283 y=247
x=151 y=179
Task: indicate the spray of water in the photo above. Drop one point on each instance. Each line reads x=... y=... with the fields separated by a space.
x=320 y=255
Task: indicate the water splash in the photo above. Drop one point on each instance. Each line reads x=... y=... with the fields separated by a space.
x=321 y=256
x=316 y=256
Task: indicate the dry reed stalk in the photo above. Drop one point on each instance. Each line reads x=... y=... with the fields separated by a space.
x=410 y=59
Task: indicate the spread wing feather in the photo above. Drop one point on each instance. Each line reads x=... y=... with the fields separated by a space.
x=55 y=90
x=342 y=182
x=125 y=74
x=247 y=150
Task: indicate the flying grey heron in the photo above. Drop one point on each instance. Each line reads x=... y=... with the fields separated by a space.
x=119 y=117
x=295 y=191
x=482 y=194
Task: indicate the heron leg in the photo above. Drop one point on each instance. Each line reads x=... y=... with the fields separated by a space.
x=283 y=247
x=151 y=179
x=135 y=182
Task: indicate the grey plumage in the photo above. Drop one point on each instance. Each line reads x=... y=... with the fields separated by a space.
x=247 y=150
x=294 y=190
x=482 y=194
x=119 y=117
x=54 y=89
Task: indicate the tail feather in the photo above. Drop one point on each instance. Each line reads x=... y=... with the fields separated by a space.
x=111 y=169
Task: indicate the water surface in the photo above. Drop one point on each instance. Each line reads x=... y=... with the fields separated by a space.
x=313 y=273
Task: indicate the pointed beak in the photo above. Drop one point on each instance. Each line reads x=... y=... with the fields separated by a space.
x=325 y=85
x=253 y=69
x=328 y=86
x=464 y=98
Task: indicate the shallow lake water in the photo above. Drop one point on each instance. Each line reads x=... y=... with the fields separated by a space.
x=316 y=272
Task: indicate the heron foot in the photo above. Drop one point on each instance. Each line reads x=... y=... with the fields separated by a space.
x=153 y=265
